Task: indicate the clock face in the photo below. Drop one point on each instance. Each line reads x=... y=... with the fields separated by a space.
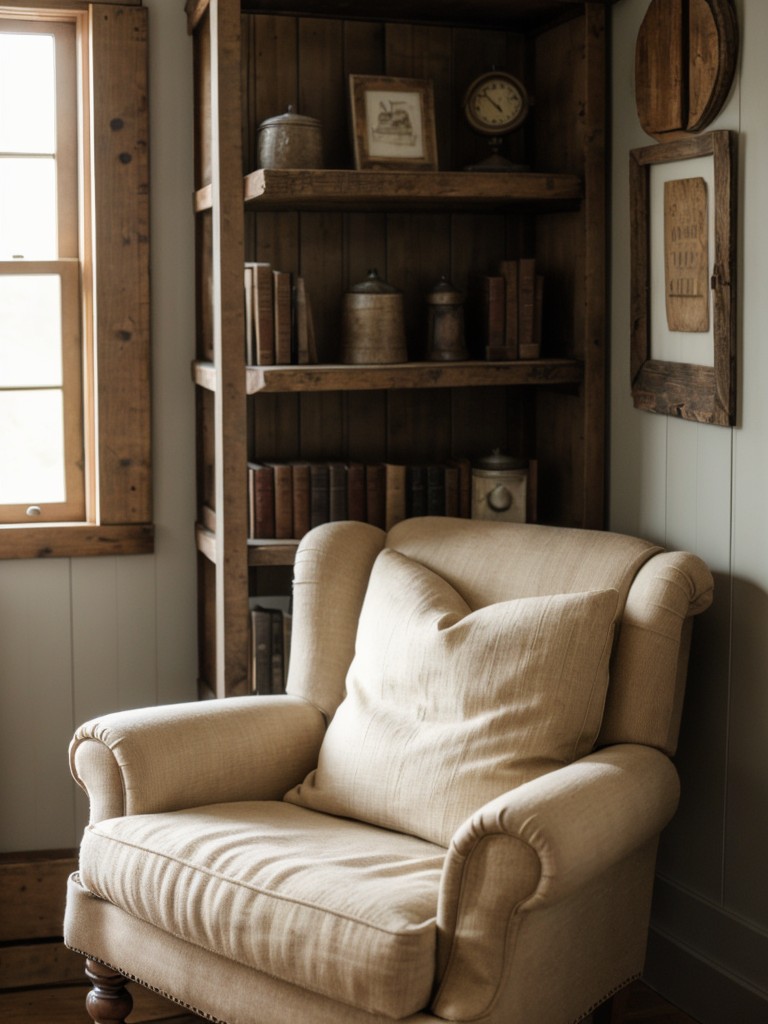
x=496 y=103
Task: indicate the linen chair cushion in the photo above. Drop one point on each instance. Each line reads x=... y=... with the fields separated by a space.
x=447 y=707
x=336 y=907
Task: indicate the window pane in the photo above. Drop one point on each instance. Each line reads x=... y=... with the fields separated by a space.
x=28 y=208
x=27 y=90
x=32 y=453
x=30 y=331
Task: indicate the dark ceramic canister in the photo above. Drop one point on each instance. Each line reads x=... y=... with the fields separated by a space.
x=372 y=323
x=445 y=329
x=290 y=140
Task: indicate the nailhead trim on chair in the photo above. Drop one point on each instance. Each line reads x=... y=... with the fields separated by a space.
x=218 y=1020
x=612 y=992
x=152 y=988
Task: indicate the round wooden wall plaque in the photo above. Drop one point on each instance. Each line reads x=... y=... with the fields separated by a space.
x=685 y=60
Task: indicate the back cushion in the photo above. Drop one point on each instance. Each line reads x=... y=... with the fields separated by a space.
x=447 y=707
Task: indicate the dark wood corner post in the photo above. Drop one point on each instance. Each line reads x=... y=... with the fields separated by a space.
x=109 y=1001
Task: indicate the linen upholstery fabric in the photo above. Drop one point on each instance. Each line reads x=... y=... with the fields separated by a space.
x=182 y=755
x=447 y=708
x=336 y=907
x=534 y=850
x=330 y=575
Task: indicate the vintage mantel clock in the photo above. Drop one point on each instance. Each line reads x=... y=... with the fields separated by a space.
x=495 y=104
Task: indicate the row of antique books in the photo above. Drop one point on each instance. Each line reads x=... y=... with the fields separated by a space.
x=270 y=647
x=286 y=499
x=279 y=329
x=511 y=304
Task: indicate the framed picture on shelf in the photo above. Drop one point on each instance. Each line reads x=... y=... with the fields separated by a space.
x=683 y=269
x=393 y=123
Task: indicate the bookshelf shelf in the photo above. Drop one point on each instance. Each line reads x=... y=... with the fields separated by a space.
x=399 y=190
x=333 y=377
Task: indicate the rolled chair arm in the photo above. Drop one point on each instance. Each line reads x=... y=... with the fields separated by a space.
x=187 y=755
x=537 y=845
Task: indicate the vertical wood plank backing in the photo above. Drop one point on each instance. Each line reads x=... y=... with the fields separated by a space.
x=202 y=106
x=228 y=340
x=275 y=426
x=366 y=426
x=418 y=426
x=570 y=134
x=119 y=122
x=365 y=248
x=322 y=92
x=596 y=298
x=204 y=291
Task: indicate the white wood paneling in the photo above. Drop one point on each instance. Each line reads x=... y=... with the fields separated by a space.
x=80 y=637
x=705 y=488
x=36 y=682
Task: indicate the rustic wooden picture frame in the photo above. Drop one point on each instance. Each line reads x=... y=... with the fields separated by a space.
x=706 y=394
x=393 y=123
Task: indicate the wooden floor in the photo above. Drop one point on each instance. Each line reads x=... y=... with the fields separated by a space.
x=635 y=1005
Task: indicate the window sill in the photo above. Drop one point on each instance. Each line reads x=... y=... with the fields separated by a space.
x=76 y=540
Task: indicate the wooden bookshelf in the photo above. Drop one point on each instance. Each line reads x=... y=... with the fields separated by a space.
x=331 y=224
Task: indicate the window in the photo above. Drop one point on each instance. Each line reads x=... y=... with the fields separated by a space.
x=41 y=342
x=75 y=469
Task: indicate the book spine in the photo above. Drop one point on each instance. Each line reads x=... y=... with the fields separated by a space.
x=375 y=496
x=416 y=490
x=263 y=314
x=277 y=684
x=435 y=490
x=305 y=341
x=337 y=492
x=508 y=270
x=263 y=497
x=394 y=494
x=283 y=313
x=527 y=301
x=452 y=490
x=301 y=488
x=283 y=474
x=249 y=325
x=356 y=504
x=493 y=300
x=261 y=645
x=464 y=468
x=319 y=494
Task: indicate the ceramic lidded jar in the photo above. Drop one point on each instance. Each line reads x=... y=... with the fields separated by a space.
x=290 y=141
x=372 y=323
x=500 y=488
x=445 y=330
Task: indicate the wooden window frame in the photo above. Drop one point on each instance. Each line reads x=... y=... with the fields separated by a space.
x=114 y=234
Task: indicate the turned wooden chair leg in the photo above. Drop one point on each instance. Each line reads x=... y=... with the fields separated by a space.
x=109 y=1001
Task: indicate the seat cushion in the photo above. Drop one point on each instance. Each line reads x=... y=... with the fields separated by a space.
x=336 y=907
x=447 y=708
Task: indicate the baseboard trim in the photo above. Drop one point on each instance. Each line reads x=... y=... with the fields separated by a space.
x=705 y=960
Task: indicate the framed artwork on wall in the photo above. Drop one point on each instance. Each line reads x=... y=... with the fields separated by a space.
x=393 y=123
x=683 y=278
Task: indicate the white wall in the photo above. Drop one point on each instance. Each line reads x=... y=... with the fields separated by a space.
x=705 y=489
x=79 y=637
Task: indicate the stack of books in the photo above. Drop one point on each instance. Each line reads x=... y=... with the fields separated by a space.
x=279 y=329
x=270 y=647
x=286 y=499
x=510 y=310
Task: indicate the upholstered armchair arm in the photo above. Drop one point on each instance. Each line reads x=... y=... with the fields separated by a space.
x=187 y=755
x=533 y=847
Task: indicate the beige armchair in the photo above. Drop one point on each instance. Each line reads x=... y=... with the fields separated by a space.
x=452 y=814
